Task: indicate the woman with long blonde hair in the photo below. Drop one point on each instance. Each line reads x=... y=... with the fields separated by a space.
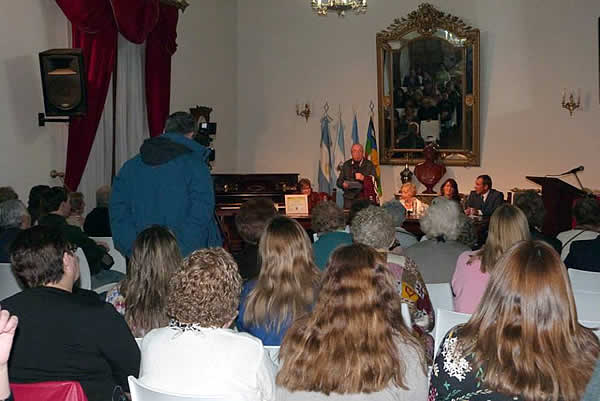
x=524 y=341
x=142 y=296
x=354 y=343
x=286 y=286
x=508 y=225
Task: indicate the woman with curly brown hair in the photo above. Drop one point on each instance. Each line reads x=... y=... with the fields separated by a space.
x=524 y=341
x=374 y=227
x=286 y=286
x=197 y=354
x=354 y=344
x=142 y=296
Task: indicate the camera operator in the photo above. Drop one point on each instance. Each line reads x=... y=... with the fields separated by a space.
x=167 y=183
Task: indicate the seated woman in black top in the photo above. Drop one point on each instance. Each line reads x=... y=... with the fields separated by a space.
x=250 y=223
x=533 y=206
x=64 y=334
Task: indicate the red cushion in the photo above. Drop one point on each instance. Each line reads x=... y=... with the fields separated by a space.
x=48 y=391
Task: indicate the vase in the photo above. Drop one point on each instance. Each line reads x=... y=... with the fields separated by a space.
x=406 y=175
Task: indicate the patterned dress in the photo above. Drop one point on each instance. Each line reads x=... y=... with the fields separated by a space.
x=413 y=291
x=114 y=297
x=453 y=377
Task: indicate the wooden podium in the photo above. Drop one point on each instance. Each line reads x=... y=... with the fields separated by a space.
x=558 y=197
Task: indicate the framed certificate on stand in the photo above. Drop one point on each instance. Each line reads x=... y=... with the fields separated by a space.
x=296 y=204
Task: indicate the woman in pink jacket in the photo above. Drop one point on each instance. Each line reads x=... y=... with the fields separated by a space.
x=508 y=225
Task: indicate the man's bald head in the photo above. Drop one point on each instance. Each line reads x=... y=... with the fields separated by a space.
x=357 y=152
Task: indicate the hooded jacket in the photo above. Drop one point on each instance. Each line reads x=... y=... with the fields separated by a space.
x=168 y=183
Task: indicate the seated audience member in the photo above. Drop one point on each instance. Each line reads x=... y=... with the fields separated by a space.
x=64 y=333
x=75 y=217
x=508 y=225
x=37 y=194
x=142 y=296
x=484 y=199
x=97 y=222
x=468 y=234
x=532 y=205
x=374 y=227
x=592 y=392
x=328 y=221
x=449 y=190
x=7 y=193
x=398 y=213
x=586 y=212
x=414 y=207
x=253 y=217
x=8 y=326
x=523 y=341
x=286 y=286
x=357 y=206
x=197 y=354
x=57 y=207
x=13 y=218
x=354 y=344
x=584 y=255
x=437 y=255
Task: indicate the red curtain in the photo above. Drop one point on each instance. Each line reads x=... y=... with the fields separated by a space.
x=95 y=26
x=160 y=47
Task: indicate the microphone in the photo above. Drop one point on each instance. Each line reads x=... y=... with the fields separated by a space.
x=574 y=170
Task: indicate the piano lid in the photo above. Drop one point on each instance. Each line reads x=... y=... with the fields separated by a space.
x=238 y=188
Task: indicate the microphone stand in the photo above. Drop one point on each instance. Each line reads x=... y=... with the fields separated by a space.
x=578 y=180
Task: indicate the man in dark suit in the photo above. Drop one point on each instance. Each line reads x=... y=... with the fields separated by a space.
x=353 y=174
x=584 y=255
x=484 y=199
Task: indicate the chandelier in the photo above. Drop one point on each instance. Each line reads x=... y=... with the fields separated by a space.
x=321 y=7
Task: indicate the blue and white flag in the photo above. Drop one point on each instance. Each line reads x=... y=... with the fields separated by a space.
x=355 y=131
x=325 y=184
x=339 y=157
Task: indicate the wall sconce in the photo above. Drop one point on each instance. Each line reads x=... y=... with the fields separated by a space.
x=571 y=105
x=303 y=112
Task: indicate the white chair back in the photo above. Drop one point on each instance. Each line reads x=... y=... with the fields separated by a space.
x=9 y=285
x=440 y=296
x=588 y=305
x=141 y=392
x=273 y=351
x=85 y=276
x=445 y=320
x=582 y=280
x=595 y=326
x=120 y=262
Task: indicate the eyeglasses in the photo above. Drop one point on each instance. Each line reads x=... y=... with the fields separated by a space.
x=71 y=249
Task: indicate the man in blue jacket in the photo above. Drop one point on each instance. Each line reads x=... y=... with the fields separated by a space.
x=167 y=183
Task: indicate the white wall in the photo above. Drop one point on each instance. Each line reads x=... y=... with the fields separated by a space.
x=252 y=61
x=531 y=49
x=28 y=152
x=204 y=70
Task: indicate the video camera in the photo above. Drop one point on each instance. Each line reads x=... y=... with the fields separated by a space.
x=205 y=136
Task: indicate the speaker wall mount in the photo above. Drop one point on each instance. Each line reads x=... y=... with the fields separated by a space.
x=63 y=76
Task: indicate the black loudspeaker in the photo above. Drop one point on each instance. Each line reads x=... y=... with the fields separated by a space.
x=63 y=82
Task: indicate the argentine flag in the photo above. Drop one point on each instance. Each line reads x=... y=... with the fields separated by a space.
x=339 y=157
x=325 y=185
x=355 y=131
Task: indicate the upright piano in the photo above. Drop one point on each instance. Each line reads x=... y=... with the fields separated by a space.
x=232 y=190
